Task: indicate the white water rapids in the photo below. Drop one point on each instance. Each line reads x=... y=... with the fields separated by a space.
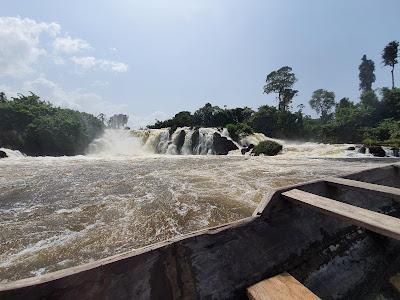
x=60 y=212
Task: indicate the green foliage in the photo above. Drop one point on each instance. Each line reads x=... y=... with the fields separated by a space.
x=269 y=148
x=207 y=116
x=389 y=57
x=281 y=82
x=369 y=99
x=275 y=123
x=37 y=128
x=366 y=75
x=322 y=102
x=347 y=124
x=390 y=104
x=388 y=129
x=237 y=130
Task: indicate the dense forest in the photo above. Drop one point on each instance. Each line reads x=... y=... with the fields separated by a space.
x=36 y=127
x=374 y=119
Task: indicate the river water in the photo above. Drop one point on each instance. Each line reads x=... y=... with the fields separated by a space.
x=61 y=212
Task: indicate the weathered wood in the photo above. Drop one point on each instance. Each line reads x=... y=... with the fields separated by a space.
x=386 y=190
x=280 y=287
x=380 y=223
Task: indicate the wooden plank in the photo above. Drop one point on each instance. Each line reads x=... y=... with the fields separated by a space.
x=386 y=190
x=280 y=287
x=380 y=223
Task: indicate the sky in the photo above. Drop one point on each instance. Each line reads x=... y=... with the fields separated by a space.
x=153 y=58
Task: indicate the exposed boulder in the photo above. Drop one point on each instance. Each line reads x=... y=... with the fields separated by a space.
x=351 y=148
x=362 y=150
x=377 y=151
x=395 y=151
x=180 y=140
x=269 y=148
x=195 y=139
x=246 y=149
x=222 y=145
x=3 y=154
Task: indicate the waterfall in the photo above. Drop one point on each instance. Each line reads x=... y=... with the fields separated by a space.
x=12 y=153
x=186 y=141
x=207 y=141
x=116 y=142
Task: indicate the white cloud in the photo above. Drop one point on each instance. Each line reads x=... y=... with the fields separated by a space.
x=20 y=44
x=90 y=62
x=75 y=99
x=69 y=45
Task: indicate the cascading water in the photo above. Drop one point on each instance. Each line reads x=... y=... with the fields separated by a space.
x=186 y=141
x=12 y=153
x=207 y=141
x=116 y=142
x=203 y=141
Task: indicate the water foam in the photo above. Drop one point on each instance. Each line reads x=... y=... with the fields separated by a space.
x=13 y=153
x=116 y=142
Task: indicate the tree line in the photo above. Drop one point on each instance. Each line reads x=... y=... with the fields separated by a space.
x=36 y=127
x=374 y=119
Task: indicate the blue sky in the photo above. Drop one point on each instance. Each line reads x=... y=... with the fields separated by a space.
x=153 y=58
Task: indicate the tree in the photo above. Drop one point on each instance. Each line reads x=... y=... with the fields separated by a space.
x=239 y=114
x=389 y=57
x=118 y=120
x=301 y=106
x=390 y=103
x=366 y=75
x=369 y=99
x=102 y=118
x=182 y=119
x=36 y=127
x=281 y=82
x=3 y=97
x=322 y=102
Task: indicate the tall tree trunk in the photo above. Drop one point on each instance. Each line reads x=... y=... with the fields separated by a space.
x=279 y=101
x=392 y=77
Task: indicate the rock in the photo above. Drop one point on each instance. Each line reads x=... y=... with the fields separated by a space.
x=351 y=148
x=195 y=140
x=377 y=151
x=222 y=145
x=246 y=149
x=362 y=150
x=180 y=140
x=3 y=154
x=395 y=151
x=269 y=148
